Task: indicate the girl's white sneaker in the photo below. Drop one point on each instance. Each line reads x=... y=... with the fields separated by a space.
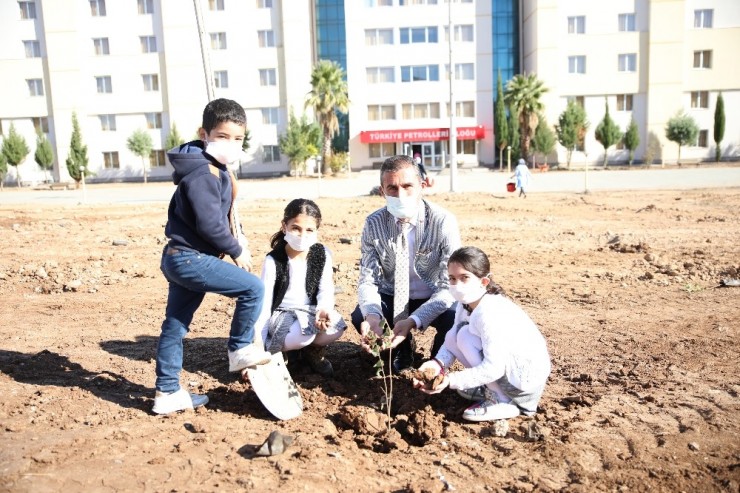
x=166 y=403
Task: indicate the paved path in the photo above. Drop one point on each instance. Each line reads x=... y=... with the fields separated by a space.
x=360 y=183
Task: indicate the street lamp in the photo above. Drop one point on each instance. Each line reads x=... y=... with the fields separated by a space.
x=508 y=159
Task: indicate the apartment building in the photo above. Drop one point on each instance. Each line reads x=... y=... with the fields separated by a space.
x=122 y=65
x=647 y=59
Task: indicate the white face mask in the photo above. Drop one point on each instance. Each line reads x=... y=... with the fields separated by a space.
x=225 y=151
x=402 y=207
x=301 y=243
x=468 y=292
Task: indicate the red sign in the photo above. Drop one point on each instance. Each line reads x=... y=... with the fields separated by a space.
x=420 y=134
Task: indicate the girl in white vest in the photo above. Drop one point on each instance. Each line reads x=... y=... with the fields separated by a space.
x=298 y=308
x=504 y=354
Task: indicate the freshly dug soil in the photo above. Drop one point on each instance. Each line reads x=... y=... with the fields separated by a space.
x=624 y=286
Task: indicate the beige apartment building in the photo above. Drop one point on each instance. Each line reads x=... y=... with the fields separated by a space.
x=123 y=65
x=649 y=59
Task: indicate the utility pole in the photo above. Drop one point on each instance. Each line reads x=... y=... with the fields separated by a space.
x=204 y=51
x=452 y=151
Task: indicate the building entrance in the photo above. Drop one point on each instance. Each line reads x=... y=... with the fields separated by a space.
x=430 y=152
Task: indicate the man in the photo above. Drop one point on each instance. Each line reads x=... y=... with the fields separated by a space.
x=523 y=176
x=427 y=180
x=403 y=268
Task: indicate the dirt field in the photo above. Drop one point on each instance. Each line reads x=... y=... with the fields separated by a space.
x=625 y=287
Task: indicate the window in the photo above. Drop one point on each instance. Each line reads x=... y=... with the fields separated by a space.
x=463 y=108
x=148 y=44
x=387 y=149
x=700 y=99
x=380 y=75
x=266 y=39
x=377 y=37
x=381 y=112
x=218 y=41
x=628 y=62
x=104 y=84
x=579 y=100
x=33 y=49
x=146 y=6
x=151 y=82
x=268 y=77
x=100 y=45
x=35 y=87
x=463 y=71
x=157 y=159
x=416 y=73
x=577 y=64
x=41 y=124
x=153 y=120
x=703 y=18
x=215 y=4
x=417 y=2
x=97 y=8
x=466 y=147
x=272 y=154
x=28 y=10
x=626 y=22
x=264 y=4
x=107 y=123
x=577 y=24
x=379 y=3
x=703 y=138
x=270 y=116
x=221 y=79
x=418 y=34
x=463 y=33
x=414 y=111
x=110 y=160
x=703 y=59
x=624 y=102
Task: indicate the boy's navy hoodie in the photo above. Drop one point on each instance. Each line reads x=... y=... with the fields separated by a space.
x=198 y=216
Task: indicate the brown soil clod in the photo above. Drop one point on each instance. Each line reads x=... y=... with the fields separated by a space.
x=429 y=377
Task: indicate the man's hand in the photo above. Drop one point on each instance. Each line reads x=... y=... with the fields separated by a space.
x=401 y=331
x=370 y=330
x=244 y=261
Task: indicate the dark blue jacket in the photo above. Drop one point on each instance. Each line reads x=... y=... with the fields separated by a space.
x=198 y=216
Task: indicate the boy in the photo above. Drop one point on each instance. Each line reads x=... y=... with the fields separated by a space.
x=200 y=234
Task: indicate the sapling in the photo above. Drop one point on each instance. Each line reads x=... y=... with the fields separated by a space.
x=377 y=345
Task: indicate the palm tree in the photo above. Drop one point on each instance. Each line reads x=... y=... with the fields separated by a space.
x=328 y=95
x=523 y=94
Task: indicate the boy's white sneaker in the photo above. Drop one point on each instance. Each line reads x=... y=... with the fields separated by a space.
x=166 y=403
x=247 y=356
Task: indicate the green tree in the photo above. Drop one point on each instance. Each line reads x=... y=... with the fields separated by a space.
x=571 y=128
x=524 y=94
x=681 y=129
x=77 y=159
x=246 y=143
x=632 y=139
x=140 y=143
x=3 y=169
x=44 y=155
x=15 y=151
x=328 y=96
x=719 y=126
x=607 y=133
x=173 y=138
x=300 y=141
x=516 y=150
x=500 y=122
x=544 y=139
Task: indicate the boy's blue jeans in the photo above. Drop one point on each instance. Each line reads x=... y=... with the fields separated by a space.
x=191 y=275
